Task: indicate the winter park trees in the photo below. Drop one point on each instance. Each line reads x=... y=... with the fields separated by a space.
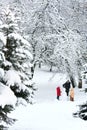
x=48 y=31
x=15 y=57
x=55 y=31
x=53 y=43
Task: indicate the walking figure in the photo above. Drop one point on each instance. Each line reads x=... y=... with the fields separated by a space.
x=66 y=85
x=72 y=94
x=58 y=90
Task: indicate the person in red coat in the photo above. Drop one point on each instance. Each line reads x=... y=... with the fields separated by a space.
x=58 y=90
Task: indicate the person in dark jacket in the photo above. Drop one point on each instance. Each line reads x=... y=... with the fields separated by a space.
x=58 y=91
x=67 y=86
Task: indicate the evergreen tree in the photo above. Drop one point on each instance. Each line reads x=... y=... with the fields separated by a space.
x=82 y=112
x=15 y=58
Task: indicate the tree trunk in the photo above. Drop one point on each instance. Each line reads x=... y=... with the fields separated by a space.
x=80 y=83
x=32 y=70
x=40 y=65
x=51 y=68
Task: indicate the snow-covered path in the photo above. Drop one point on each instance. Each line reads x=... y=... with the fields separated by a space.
x=48 y=116
x=47 y=82
x=48 y=113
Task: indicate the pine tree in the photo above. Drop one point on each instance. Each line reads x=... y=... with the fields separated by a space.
x=82 y=112
x=14 y=63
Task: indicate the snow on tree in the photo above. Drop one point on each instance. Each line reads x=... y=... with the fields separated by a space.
x=68 y=54
x=45 y=27
x=82 y=112
x=45 y=23
x=7 y=97
x=51 y=31
x=16 y=84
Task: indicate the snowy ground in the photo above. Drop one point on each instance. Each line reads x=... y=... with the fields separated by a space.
x=47 y=113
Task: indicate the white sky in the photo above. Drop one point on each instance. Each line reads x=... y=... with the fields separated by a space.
x=47 y=113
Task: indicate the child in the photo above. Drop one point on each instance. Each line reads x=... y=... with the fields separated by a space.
x=72 y=94
x=58 y=92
